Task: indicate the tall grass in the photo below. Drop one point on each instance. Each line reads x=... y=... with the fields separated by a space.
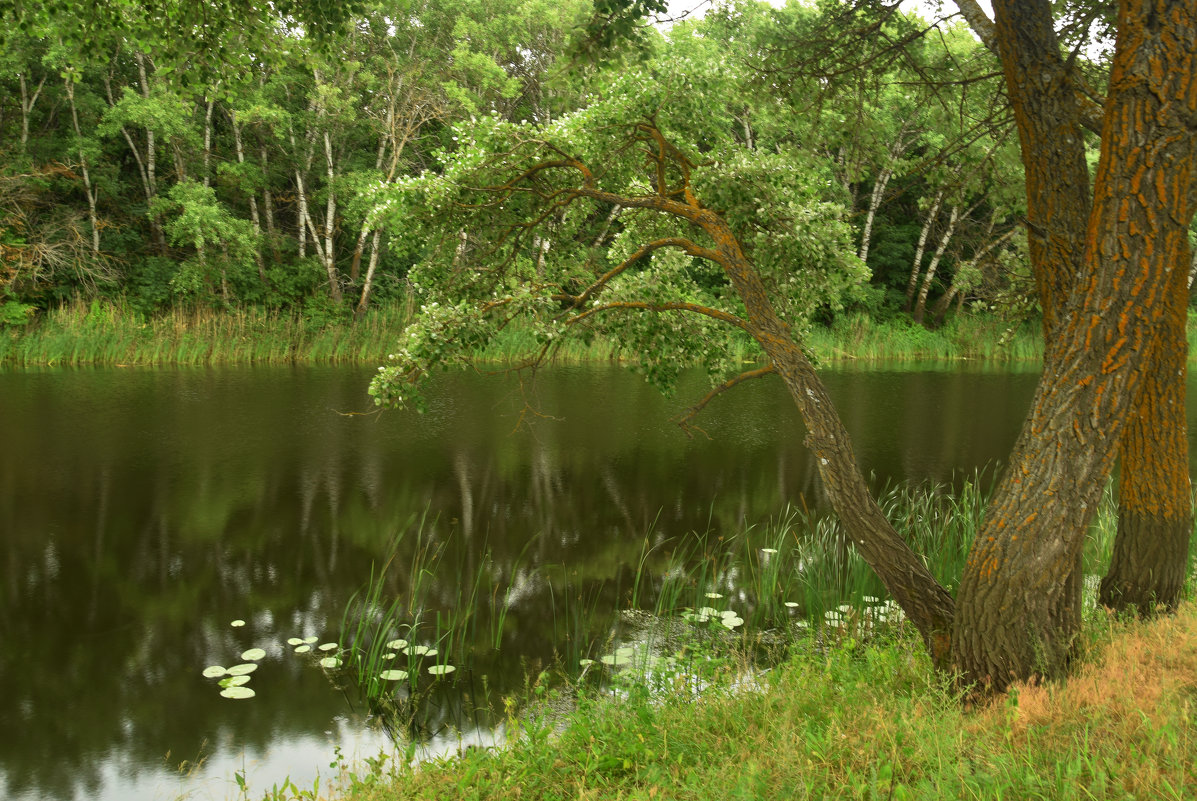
x=412 y=622
x=866 y=722
x=113 y=333
x=103 y=332
x=857 y=337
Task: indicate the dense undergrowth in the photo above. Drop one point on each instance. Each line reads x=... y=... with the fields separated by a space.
x=106 y=333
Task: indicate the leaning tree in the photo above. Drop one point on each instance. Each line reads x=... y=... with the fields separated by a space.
x=713 y=237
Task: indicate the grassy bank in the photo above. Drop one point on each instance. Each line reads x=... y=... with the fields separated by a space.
x=981 y=338
x=106 y=333
x=852 y=710
x=859 y=722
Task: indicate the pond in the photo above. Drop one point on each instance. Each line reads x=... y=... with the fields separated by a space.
x=143 y=511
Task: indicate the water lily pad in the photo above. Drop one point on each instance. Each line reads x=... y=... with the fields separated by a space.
x=294 y=641
x=397 y=644
x=715 y=595
x=243 y=669
x=791 y=604
x=238 y=692
x=238 y=623
x=418 y=650
x=303 y=649
x=214 y=671
x=728 y=613
x=234 y=681
x=732 y=622
x=431 y=652
x=310 y=640
x=708 y=611
x=615 y=660
x=871 y=599
x=329 y=646
x=769 y=550
x=440 y=670
x=330 y=662
x=389 y=655
x=585 y=662
x=253 y=654
x=625 y=650
x=393 y=675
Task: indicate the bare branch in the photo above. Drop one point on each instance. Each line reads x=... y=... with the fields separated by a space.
x=684 y=420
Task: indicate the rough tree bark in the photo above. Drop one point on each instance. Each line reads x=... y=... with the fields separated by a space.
x=1011 y=609
x=1155 y=514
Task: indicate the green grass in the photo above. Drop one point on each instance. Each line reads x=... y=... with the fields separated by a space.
x=102 y=332
x=836 y=709
x=855 y=721
x=964 y=338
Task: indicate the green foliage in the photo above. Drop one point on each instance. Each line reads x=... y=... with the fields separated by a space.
x=224 y=247
x=513 y=207
x=14 y=314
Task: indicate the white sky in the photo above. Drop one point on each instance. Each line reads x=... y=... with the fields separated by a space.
x=928 y=8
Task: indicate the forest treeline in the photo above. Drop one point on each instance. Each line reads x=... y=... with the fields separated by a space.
x=251 y=181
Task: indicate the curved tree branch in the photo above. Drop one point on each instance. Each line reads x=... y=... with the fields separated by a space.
x=684 y=420
x=708 y=311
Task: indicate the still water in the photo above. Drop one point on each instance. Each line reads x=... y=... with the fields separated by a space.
x=143 y=510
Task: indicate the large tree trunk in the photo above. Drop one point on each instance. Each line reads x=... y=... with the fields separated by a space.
x=1155 y=515
x=925 y=601
x=1013 y=596
x=1047 y=114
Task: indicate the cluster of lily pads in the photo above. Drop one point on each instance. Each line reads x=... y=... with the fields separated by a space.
x=400 y=646
x=233 y=680
x=875 y=614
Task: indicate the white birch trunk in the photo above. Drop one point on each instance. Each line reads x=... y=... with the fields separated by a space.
x=920 y=308
x=254 y=218
x=27 y=104
x=87 y=187
x=368 y=285
x=916 y=267
x=208 y=145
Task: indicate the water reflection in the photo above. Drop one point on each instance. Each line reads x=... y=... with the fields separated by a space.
x=142 y=511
